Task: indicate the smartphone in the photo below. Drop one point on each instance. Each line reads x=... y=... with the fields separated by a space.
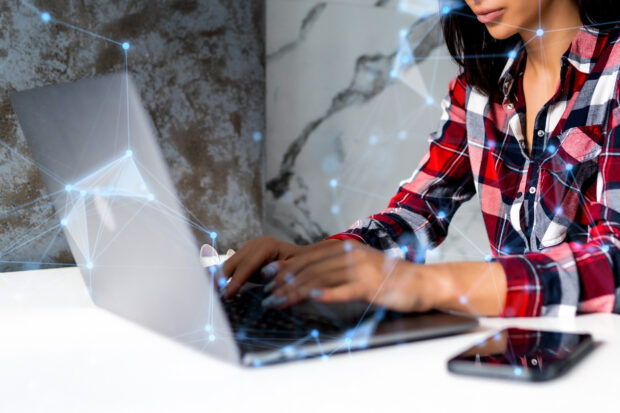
x=519 y=354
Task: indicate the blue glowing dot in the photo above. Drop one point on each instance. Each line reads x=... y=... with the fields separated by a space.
x=463 y=299
x=605 y=248
x=402 y=134
x=488 y=258
x=393 y=73
x=569 y=166
x=559 y=210
x=208 y=327
x=221 y=282
x=405 y=59
x=518 y=371
x=506 y=250
x=403 y=32
x=129 y=152
x=373 y=140
x=64 y=222
x=125 y=46
x=492 y=144
x=430 y=100
x=441 y=215
x=540 y=32
x=45 y=16
x=68 y=187
x=551 y=148
x=348 y=246
x=257 y=363
x=333 y=183
x=404 y=249
x=324 y=357
x=150 y=197
x=211 y=337
x=497 y=337
x=314 y=333
x=512 y=54
x=257 y=136
x=213 y=235
x=335 y=209
x=82 y=192
x=445 y=10
x=89 y=265
x=347 y=341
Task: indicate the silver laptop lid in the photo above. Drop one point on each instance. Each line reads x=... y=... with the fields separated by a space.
x=131 y=237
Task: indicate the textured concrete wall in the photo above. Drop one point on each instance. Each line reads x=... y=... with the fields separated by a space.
x=199 y=66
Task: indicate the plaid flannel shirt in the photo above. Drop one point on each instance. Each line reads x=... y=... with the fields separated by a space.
x=552 y=217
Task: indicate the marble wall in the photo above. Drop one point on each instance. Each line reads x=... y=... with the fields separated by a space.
x=353 y=90
x=199 y=66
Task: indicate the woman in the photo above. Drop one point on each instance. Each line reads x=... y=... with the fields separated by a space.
x=532 y=124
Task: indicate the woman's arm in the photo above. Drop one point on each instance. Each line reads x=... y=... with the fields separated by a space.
x=352 y=271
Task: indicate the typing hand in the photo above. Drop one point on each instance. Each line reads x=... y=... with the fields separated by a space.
x=254 y=255
x=346 y=271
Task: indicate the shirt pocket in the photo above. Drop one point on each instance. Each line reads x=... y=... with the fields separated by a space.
x=564 y=174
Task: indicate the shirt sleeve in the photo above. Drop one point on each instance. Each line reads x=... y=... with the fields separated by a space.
x=574 y=276
x=417 y=217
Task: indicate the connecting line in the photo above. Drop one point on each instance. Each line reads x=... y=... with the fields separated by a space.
x=29 y=203
x=30 y=161
x=98 y=36
x=51 y=243
x=363 y=316
x=120 y=231
x=29 y=241
x=586 y=26
x=125 y=47
x=467 y=238
x=60 y=264
x=197 y=224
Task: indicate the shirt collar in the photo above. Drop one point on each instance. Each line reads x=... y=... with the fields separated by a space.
x=582 y=54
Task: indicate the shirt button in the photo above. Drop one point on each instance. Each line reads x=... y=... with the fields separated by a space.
x=510 y=106
x=541 y=133
x=532 y=189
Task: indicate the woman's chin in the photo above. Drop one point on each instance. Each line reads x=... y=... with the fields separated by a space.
x=500 y=32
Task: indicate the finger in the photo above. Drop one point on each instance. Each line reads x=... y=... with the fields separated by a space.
x=342 y=293
x=326 y=273
x=255 y=257
x=287 y=270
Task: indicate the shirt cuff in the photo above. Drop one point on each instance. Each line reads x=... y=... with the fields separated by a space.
x=524 y=290
x=344 y=236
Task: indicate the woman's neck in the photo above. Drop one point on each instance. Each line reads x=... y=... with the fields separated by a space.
x=559 y=24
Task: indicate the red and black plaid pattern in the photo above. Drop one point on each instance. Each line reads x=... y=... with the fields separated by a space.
x=552 y=216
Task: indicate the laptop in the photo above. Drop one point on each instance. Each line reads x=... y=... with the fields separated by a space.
x=135 y=242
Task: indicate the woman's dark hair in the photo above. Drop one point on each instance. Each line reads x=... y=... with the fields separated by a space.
x=482 y=57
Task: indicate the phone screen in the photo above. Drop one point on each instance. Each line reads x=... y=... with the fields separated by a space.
x=522 y=354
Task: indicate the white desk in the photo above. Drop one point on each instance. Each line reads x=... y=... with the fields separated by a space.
x=60 y=353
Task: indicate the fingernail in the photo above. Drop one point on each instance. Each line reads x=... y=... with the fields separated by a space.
x=270 y=270
x=269 y=286
x=273 y=301
x=316 y=293
x=267 y=301
x=289 y=278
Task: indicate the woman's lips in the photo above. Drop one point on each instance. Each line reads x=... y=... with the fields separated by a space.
x=490 y=16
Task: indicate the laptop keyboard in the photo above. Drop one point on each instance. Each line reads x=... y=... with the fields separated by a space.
x=249 y=318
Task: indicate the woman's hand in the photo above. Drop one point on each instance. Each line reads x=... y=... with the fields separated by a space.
x=255 y=254
x=345 y=271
